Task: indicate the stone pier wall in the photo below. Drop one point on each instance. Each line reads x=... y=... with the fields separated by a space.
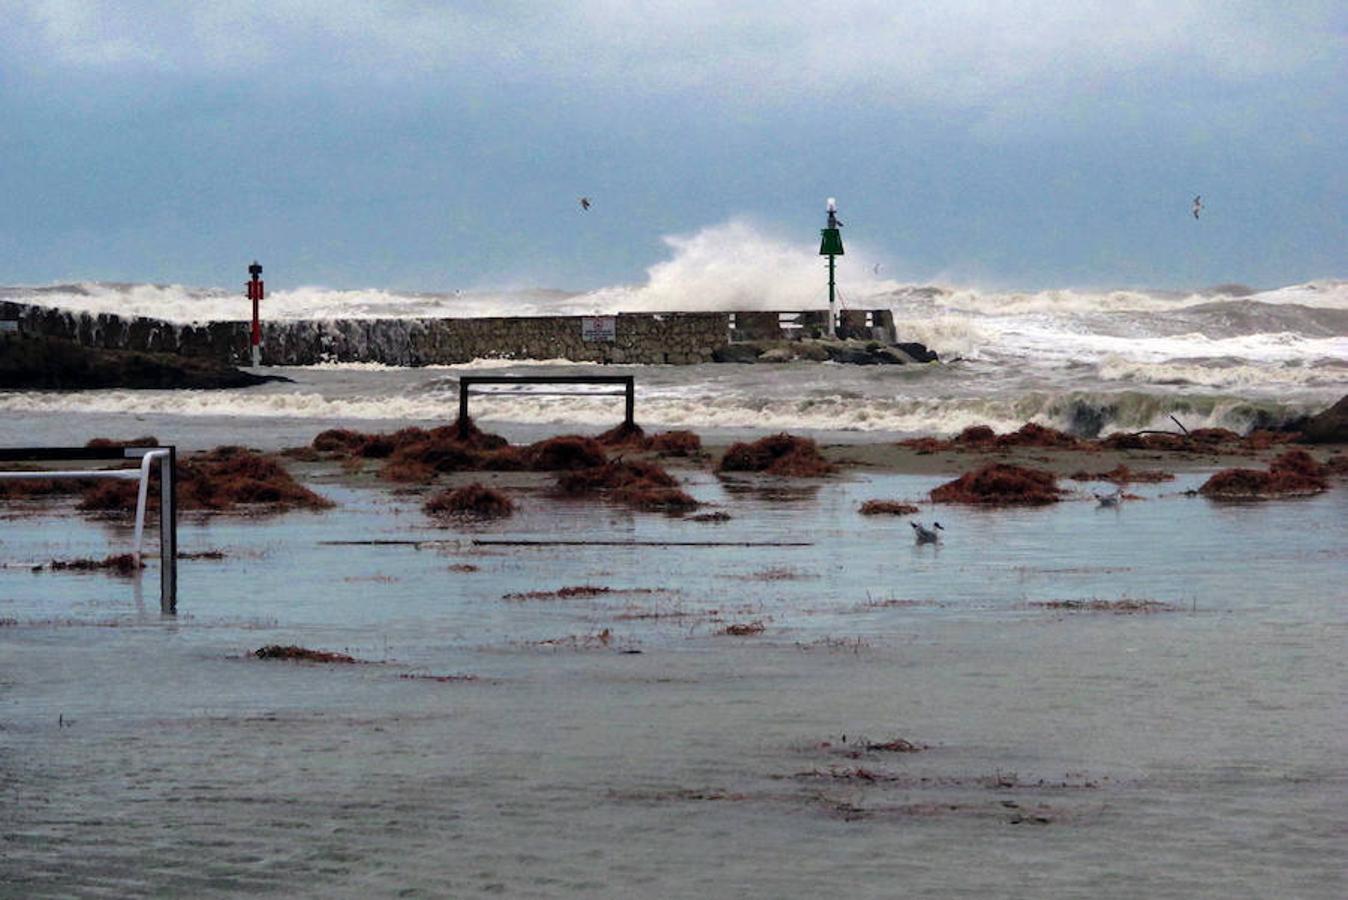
x=675 y=338
x=639 y=338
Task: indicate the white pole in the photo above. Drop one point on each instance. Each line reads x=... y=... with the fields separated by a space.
x=168 y=514
x=141 y=496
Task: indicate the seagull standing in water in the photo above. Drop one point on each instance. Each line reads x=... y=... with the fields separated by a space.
x=1198 y=205
x=926 y=535
x=1110 y=501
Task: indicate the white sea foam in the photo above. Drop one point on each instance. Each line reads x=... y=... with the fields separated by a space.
x=1318 y=295
x=1042 y=341
x=1228 y=338
x=762 y=275
x=733 y=265
x=481 y=363
x=1220 y=374
x=948 y=334
x=677 y=408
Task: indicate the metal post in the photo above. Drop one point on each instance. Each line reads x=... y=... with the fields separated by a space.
x=464 y=385
x=631 y=402
x=168 y=505
x=832 y=302
x=168 y=533
x=831 y=245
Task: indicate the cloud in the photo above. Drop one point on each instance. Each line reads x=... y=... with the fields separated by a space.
x=961 y=52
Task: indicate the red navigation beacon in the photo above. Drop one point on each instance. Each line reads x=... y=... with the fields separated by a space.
x=256 y=291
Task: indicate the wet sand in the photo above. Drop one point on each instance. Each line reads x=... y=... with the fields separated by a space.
x=501 y=737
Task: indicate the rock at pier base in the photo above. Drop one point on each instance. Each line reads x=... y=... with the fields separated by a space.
x=849 y=352
x=45 y=363
x=1329 y=426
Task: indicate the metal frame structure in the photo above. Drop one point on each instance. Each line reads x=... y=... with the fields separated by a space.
x=167 y=457
x=628 y=382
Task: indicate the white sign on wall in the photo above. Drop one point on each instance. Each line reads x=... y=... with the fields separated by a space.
x=598 y=328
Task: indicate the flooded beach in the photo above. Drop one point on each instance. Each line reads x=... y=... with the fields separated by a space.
x=582 y=699
x=698 y=451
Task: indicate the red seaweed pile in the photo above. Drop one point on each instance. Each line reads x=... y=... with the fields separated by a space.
x=566 y=593
x=1000 y=485
x=301 y=654
x=923 y=446
x=120 y=564
x=777 y=454
x=145 y=441
x=474 y=501
x=668 y=443
x=1199 y=440
x=1032 y=435
x=1293 y=474
x=624 y=435
x=222 y=479
x=675 y=443
x=418 y=455
x=565 y=453
x=983 y=439
x=1121 y=474
x=1126 y=605
x=641 y=485
x=975 y=436
x=407 y=443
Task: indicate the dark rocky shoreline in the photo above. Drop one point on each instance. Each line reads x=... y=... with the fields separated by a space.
x=46 y=363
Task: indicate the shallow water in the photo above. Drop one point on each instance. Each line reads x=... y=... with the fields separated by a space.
x=1192 y=752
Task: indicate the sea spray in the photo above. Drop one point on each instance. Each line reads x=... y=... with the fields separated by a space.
x=1087 y=361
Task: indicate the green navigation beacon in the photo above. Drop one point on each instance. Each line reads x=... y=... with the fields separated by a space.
x=830 y=245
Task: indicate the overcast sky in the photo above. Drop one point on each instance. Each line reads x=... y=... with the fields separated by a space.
x=424 y=145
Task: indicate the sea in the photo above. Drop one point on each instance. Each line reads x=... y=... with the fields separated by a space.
x=789 y=699
x=1089 y=362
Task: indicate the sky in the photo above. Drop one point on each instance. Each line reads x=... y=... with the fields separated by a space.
x=441 y=146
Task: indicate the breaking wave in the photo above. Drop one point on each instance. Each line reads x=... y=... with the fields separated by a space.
x=1082 y=413
x=1229 y=355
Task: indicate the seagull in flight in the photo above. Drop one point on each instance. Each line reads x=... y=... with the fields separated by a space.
x=1198 y=205
x=585 y=203
x=926 y=535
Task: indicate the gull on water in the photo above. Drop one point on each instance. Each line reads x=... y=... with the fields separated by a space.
x=926 y=535
x=1198 y=205
x=1110 y=500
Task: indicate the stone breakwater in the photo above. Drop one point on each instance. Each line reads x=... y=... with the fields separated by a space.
x=636 y=338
